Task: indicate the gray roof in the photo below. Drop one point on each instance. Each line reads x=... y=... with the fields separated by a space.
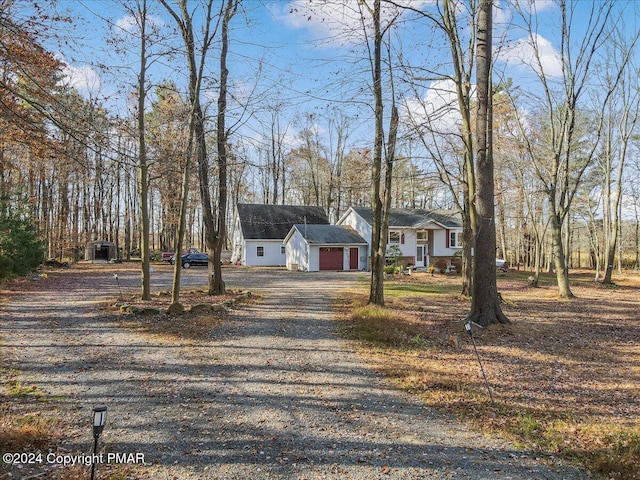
x=415 y=218
x=273 y=222
x=330 y=235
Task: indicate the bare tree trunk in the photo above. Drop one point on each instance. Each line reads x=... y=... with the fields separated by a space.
x=378 y=241
x=559 y=260
x=216 y=285
x=462 y=77
x=143 y=168
x=485 y=302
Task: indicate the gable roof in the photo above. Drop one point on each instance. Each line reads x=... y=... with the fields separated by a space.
x=273 y=222
x=328 y=235
x=414 y=217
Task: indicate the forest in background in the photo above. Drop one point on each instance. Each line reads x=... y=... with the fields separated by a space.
x=565 y=151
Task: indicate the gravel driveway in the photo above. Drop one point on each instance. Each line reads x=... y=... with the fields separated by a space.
x=276 y=394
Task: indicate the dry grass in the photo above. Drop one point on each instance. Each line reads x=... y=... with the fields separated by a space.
x=565 y=374
x=188 y=326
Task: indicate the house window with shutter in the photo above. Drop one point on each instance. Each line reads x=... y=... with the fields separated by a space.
x=395 y=238
x=260 y=251
x=455 y=239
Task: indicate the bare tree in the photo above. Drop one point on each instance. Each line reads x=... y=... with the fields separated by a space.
x=620 y=125
x=562 y=168
x=381 y=185
x=214 y=225
x=143 y=167
x=451 y=147
x=485 y=302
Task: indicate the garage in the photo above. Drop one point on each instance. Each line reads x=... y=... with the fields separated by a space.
x=331 y=258
x=310 y=248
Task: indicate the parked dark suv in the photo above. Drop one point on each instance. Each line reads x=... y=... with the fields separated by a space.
x=192 y=259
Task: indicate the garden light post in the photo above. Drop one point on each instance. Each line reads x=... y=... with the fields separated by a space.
x=99 y=419
x=115 y=275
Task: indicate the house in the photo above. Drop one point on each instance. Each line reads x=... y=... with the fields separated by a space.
x=259 y=231
x=311 y=248
x=422 y=236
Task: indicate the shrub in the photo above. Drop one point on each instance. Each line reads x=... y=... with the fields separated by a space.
x=393 y=255
x=441 y=265
x=21 y=250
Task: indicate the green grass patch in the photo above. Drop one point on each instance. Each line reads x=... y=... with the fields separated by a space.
x=406 y=289
x=16 y=389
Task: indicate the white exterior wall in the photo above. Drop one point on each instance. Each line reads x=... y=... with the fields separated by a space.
x=440 y=244
x=408 y=249
x=314 y=258
x=273 y=257
x=358 y=224
x=296 y=252
x=307 y=257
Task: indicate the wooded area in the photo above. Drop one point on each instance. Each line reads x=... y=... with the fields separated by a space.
x=565 y=151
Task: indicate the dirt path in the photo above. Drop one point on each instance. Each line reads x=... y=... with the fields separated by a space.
x=277 y=393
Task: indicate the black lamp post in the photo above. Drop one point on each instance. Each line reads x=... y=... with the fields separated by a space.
x=99 y=419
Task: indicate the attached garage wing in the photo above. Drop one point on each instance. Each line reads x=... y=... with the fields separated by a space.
x=331 y=258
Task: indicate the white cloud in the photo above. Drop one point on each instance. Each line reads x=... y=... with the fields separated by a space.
x=536 y=53
x=129 y=24
x=84 y=78
x=438 y=111
x=341 y=22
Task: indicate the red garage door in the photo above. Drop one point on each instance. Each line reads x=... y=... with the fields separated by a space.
x=331 y=259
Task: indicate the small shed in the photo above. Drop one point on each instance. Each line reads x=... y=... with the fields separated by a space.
x=101 y=250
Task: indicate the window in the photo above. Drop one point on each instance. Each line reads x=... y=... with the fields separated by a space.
x=395 y=238
x=422 y=237
x=283 y=250
x=260 y=251
x=455 y=239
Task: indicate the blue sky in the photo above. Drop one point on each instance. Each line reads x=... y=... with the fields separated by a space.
x=307 y=58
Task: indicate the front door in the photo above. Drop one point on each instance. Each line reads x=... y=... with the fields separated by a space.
x=421 y=256
x=353 y=258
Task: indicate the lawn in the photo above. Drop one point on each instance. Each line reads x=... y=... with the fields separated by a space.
x=565 y=375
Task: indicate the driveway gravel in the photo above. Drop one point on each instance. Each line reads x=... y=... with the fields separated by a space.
x=275 y=392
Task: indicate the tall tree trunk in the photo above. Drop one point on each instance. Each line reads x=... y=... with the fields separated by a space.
x=462 y=77
x=559 y=260
x=378 y=241
x=142 y=157
x=216 y=285
x=485 y=302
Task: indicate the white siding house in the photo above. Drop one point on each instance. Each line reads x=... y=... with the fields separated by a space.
x=420 y=235
x=259 y=231
x=312 y=248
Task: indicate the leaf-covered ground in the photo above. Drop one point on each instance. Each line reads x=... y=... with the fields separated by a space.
x=565 y=375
